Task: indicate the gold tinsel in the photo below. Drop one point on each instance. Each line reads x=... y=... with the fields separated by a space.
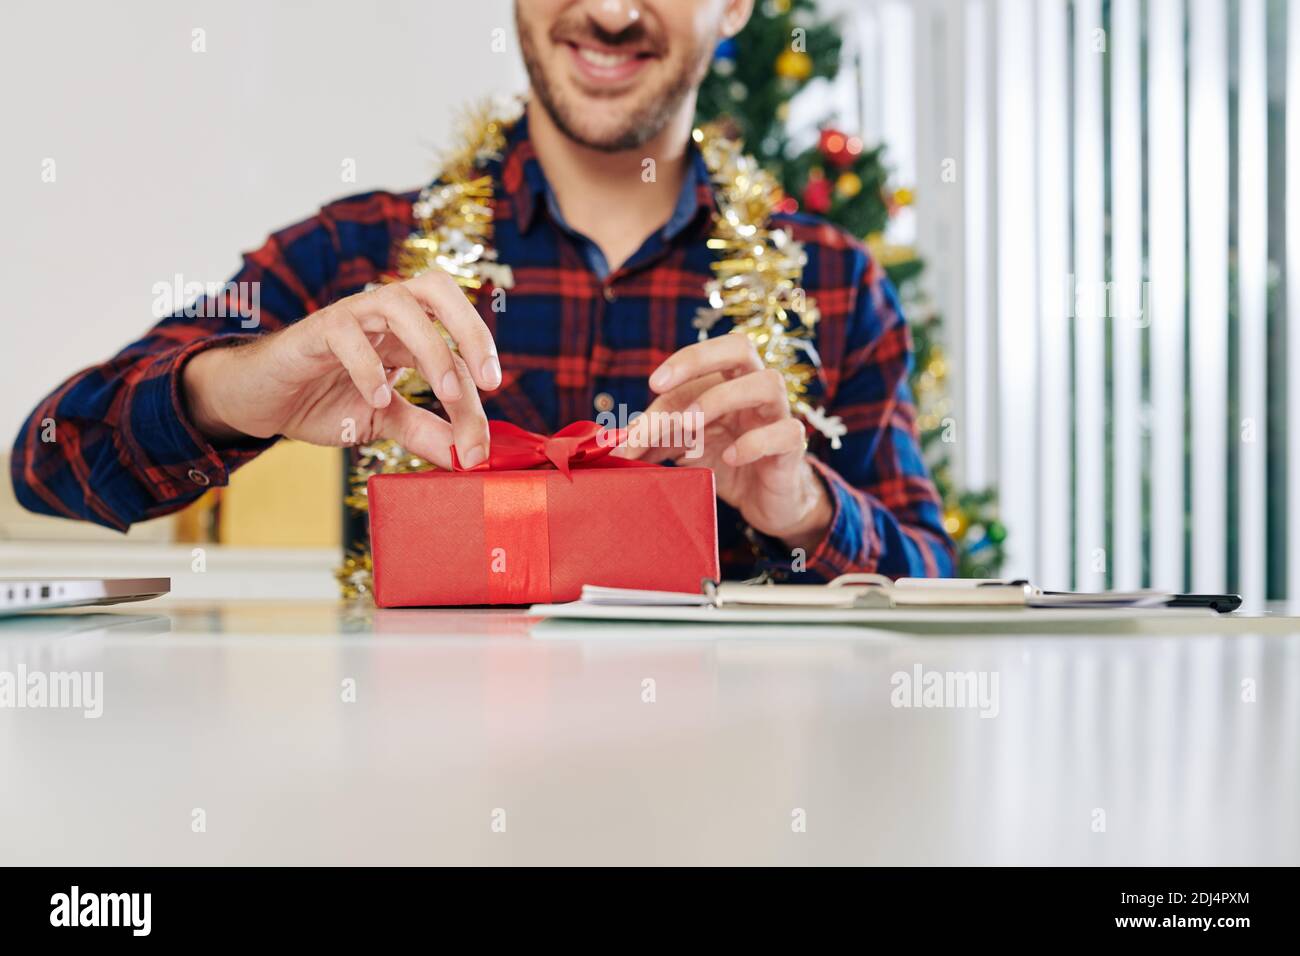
x=756 y=284
x=453 y=214
x=758 y=275
x=889 y=254
x=355 y=575
x=453 y=217
x=932 y=401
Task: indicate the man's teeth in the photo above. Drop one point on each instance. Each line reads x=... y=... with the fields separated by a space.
x=597 y=58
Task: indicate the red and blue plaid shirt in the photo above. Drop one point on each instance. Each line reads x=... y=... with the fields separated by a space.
x=574 y=341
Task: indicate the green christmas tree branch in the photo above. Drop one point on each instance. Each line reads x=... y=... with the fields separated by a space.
x=787 y=45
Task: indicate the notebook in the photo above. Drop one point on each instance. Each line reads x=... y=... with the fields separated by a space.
x=878 y=591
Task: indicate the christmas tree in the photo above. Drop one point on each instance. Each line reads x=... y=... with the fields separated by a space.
x=754 y=77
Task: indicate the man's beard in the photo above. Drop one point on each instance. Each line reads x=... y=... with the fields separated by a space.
x=642 y=124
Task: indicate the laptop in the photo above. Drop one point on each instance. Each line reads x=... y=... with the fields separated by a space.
x=18 y=595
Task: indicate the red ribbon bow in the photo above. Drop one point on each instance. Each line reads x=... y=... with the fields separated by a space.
x=515 y=506
x=579 y=445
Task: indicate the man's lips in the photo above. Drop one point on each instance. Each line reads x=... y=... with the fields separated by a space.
x=602 y=66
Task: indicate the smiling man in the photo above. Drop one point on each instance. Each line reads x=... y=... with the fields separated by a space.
x=608 y=271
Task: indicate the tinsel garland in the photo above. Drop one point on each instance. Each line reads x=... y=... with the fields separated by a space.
x=756 y=282
x=758 y=275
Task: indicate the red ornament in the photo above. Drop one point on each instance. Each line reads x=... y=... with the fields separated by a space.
x=817 y=192
x=839 y=148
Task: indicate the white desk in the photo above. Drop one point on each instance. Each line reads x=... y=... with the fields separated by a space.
x=235 y=707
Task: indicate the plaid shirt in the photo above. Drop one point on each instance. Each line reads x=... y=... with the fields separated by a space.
x=573 y=341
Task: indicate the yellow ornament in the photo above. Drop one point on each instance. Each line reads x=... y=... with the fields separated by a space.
x=956 y=522
x=781 y=6
x=903 y=197
x=794 y=65
x=888 y=254
x=848 y=185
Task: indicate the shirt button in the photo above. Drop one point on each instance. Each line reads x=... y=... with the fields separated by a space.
x=199 y=478
x=610 y=294
x=604 y=402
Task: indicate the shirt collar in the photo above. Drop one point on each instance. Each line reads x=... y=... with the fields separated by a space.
x=525 y=184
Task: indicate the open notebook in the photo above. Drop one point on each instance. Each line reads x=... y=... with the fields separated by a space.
x=878 y=591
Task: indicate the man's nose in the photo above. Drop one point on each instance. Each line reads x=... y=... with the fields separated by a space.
x=614 y=16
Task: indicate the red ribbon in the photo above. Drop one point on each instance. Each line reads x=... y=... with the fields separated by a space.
x=518 y=539
x=580 y=445
x=515 y=508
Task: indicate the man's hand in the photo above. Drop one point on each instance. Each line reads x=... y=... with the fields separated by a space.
x=749 y=438
x=309 y=380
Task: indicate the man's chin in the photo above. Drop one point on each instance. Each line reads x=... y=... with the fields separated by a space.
x=584 y=124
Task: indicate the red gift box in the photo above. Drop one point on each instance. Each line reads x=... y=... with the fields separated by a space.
x=539 y=519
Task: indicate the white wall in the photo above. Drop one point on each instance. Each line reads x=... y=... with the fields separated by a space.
x=168 y=160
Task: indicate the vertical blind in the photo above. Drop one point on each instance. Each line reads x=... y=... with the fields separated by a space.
x=1114 y=262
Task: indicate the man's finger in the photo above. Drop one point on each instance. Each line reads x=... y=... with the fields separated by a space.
x=348 y=343
x=762 y=391
x=784 y=437
x=469 y=423
x=730 y=354
x=410 y=324
x=454 y=386
x=678 y=400
x=418 y=430
x=640 y=441
x=443 y=298
x=394 y=354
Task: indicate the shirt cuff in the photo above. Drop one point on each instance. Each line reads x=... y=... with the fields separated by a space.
x=849 y=544
x=158 y=440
